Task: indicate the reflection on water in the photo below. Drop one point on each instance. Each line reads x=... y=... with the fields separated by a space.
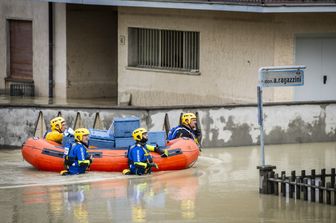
x=221 y=187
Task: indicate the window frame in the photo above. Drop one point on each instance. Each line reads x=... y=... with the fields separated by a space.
x=168 y=51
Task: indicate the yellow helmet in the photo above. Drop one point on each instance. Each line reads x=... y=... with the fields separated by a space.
x=187 y=117
x=138 y=133
x=79 y=133
x=56 y=123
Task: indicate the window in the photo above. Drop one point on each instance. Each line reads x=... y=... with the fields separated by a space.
x=163 y=49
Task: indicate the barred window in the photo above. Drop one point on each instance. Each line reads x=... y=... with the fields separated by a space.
x=163 y=49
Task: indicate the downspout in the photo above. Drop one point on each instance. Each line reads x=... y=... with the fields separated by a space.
x=51 y=50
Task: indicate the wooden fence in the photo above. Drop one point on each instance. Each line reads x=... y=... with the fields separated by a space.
x=313 y=187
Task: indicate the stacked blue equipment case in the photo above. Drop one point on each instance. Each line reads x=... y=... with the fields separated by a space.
x=101 y=139
x=157 y=138
x=119 y=135
x=123 y=129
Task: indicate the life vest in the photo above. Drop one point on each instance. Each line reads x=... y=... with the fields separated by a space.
x=139 y=164
x=172 y=132
x=45 y=133
x=68 y=139
x=68 y=161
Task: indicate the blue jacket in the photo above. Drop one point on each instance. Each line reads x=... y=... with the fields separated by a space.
x=138 y=159
x=80 y=159
x=182 y=131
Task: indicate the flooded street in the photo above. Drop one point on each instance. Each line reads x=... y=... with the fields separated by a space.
x=221 y=187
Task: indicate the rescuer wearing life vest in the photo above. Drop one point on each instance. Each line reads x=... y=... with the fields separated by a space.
x=186 y=129
x=78 y=158
x=139 y=159
x=58 y=126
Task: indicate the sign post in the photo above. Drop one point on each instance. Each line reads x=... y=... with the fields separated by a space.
x=282 y=76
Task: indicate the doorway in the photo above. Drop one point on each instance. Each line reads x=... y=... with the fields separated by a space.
x=318 y=54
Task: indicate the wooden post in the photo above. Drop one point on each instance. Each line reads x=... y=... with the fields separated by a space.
x=320 y=192
x=313 y=174
x=322 y=184
x=332 y=177
x=328 y=193
x=263 y=178
x=312 y=190
x=303 y=175
x=297 y=188
x=334 y=194
x=283 y=184
x=305 y=190
x=276 y=185
x=291 y=185
x=323 y=173
x=270 y=185
x=313 y=182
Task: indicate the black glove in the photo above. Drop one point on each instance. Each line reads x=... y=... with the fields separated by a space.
x=156 y=148
x=162 y=152
x=150 y=159
x=83 y=164
x=153 y=165
x=197 y=133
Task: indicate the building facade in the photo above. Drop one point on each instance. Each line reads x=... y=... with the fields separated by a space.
x=24 y=44
x=158 y=54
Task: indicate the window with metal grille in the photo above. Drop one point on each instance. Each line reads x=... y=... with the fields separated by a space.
x=163 y=49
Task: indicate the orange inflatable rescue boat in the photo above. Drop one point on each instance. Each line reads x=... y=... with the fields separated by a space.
x=48 y=156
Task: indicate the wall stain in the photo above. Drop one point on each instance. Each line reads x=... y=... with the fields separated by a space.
x=206 y=130
x=19 y=123
x=240 y=133
x=300 y=131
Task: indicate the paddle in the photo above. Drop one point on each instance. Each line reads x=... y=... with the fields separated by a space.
x=166 y=124
x=198 y=129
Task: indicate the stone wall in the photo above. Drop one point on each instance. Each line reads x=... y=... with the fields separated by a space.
x=221 y=126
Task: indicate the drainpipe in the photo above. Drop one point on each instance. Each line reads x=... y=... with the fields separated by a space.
x=51 y=50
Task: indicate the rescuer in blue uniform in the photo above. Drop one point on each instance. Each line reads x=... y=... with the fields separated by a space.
x=139 y=159
x=78 y=158
x=186 y=129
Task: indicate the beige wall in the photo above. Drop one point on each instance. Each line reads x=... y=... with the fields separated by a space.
x=91 y=51
x=91 y=61
x=232 y=48
x=60 y=57
x=37 y=12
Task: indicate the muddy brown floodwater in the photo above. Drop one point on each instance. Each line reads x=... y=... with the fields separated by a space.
x=221 y=187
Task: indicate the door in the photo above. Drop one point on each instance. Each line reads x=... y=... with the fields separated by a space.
x=20 y=50
x=319 y=56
